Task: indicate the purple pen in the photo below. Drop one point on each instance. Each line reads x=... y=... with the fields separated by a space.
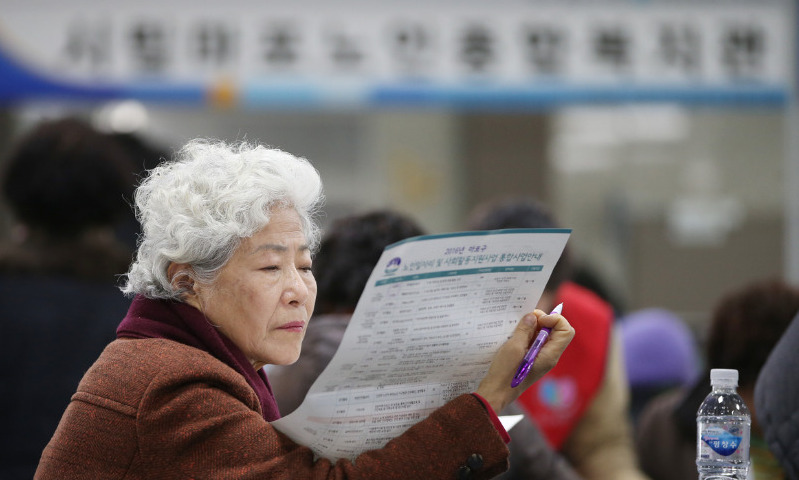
x=529 y=357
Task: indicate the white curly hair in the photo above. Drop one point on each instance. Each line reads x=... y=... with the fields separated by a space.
x=196 y=209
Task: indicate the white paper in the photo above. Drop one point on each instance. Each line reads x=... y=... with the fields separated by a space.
x=509 y=421
x=433 y=314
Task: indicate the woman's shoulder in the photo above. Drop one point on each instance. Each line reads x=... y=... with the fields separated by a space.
x=151 y=356
x=129 y=369
x=153 y=350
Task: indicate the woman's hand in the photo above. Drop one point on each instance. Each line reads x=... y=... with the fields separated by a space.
x=495 y=387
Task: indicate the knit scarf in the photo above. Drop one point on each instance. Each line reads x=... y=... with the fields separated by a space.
x=180 y=322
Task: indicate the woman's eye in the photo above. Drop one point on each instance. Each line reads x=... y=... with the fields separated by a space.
x=271 y=268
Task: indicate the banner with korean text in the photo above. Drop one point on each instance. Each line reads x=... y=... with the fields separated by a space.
x=306 y=54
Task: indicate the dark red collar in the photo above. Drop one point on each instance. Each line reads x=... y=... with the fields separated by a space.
x=148 y=318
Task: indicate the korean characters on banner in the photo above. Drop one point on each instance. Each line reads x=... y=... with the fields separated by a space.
x=656 y=44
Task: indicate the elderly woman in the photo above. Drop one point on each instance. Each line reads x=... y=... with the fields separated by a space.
x=223 y=286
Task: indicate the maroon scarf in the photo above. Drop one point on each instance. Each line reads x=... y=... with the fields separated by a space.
x=185 y=324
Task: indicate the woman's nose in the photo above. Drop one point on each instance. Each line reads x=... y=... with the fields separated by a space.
x=296 y=292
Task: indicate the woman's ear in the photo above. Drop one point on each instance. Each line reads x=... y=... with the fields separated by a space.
x=180 y=276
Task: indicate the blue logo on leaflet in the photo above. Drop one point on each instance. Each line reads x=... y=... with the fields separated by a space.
x=393 y=265
x=721 y=441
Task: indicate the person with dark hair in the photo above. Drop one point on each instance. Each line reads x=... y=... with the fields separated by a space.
x=145 y=155
x=347 y=254
x=522 y=212
x=777 y=401
x=65 y=184
x=582 y=405
x=586 y=276
x=745 y=325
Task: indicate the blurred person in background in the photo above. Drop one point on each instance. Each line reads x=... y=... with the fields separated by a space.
x=777 y=401
x=660 y=354
x=145 y=155
x=223 y=285
x=745 y=325
x=347 y=255
x=582 y=405
x=65 y=184
x=584 y=275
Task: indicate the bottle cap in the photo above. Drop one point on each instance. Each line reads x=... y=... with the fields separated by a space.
x=724 y=377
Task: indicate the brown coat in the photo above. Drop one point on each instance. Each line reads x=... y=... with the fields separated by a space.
x=154 y=408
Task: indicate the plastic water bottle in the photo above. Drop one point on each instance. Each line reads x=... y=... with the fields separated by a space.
x=723 y=422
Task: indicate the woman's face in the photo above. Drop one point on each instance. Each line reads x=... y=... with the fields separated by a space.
x=264 y=296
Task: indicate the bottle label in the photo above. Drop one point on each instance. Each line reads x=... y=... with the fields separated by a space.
x=724 y=442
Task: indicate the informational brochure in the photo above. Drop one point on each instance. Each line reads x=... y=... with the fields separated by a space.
x=434 y=312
